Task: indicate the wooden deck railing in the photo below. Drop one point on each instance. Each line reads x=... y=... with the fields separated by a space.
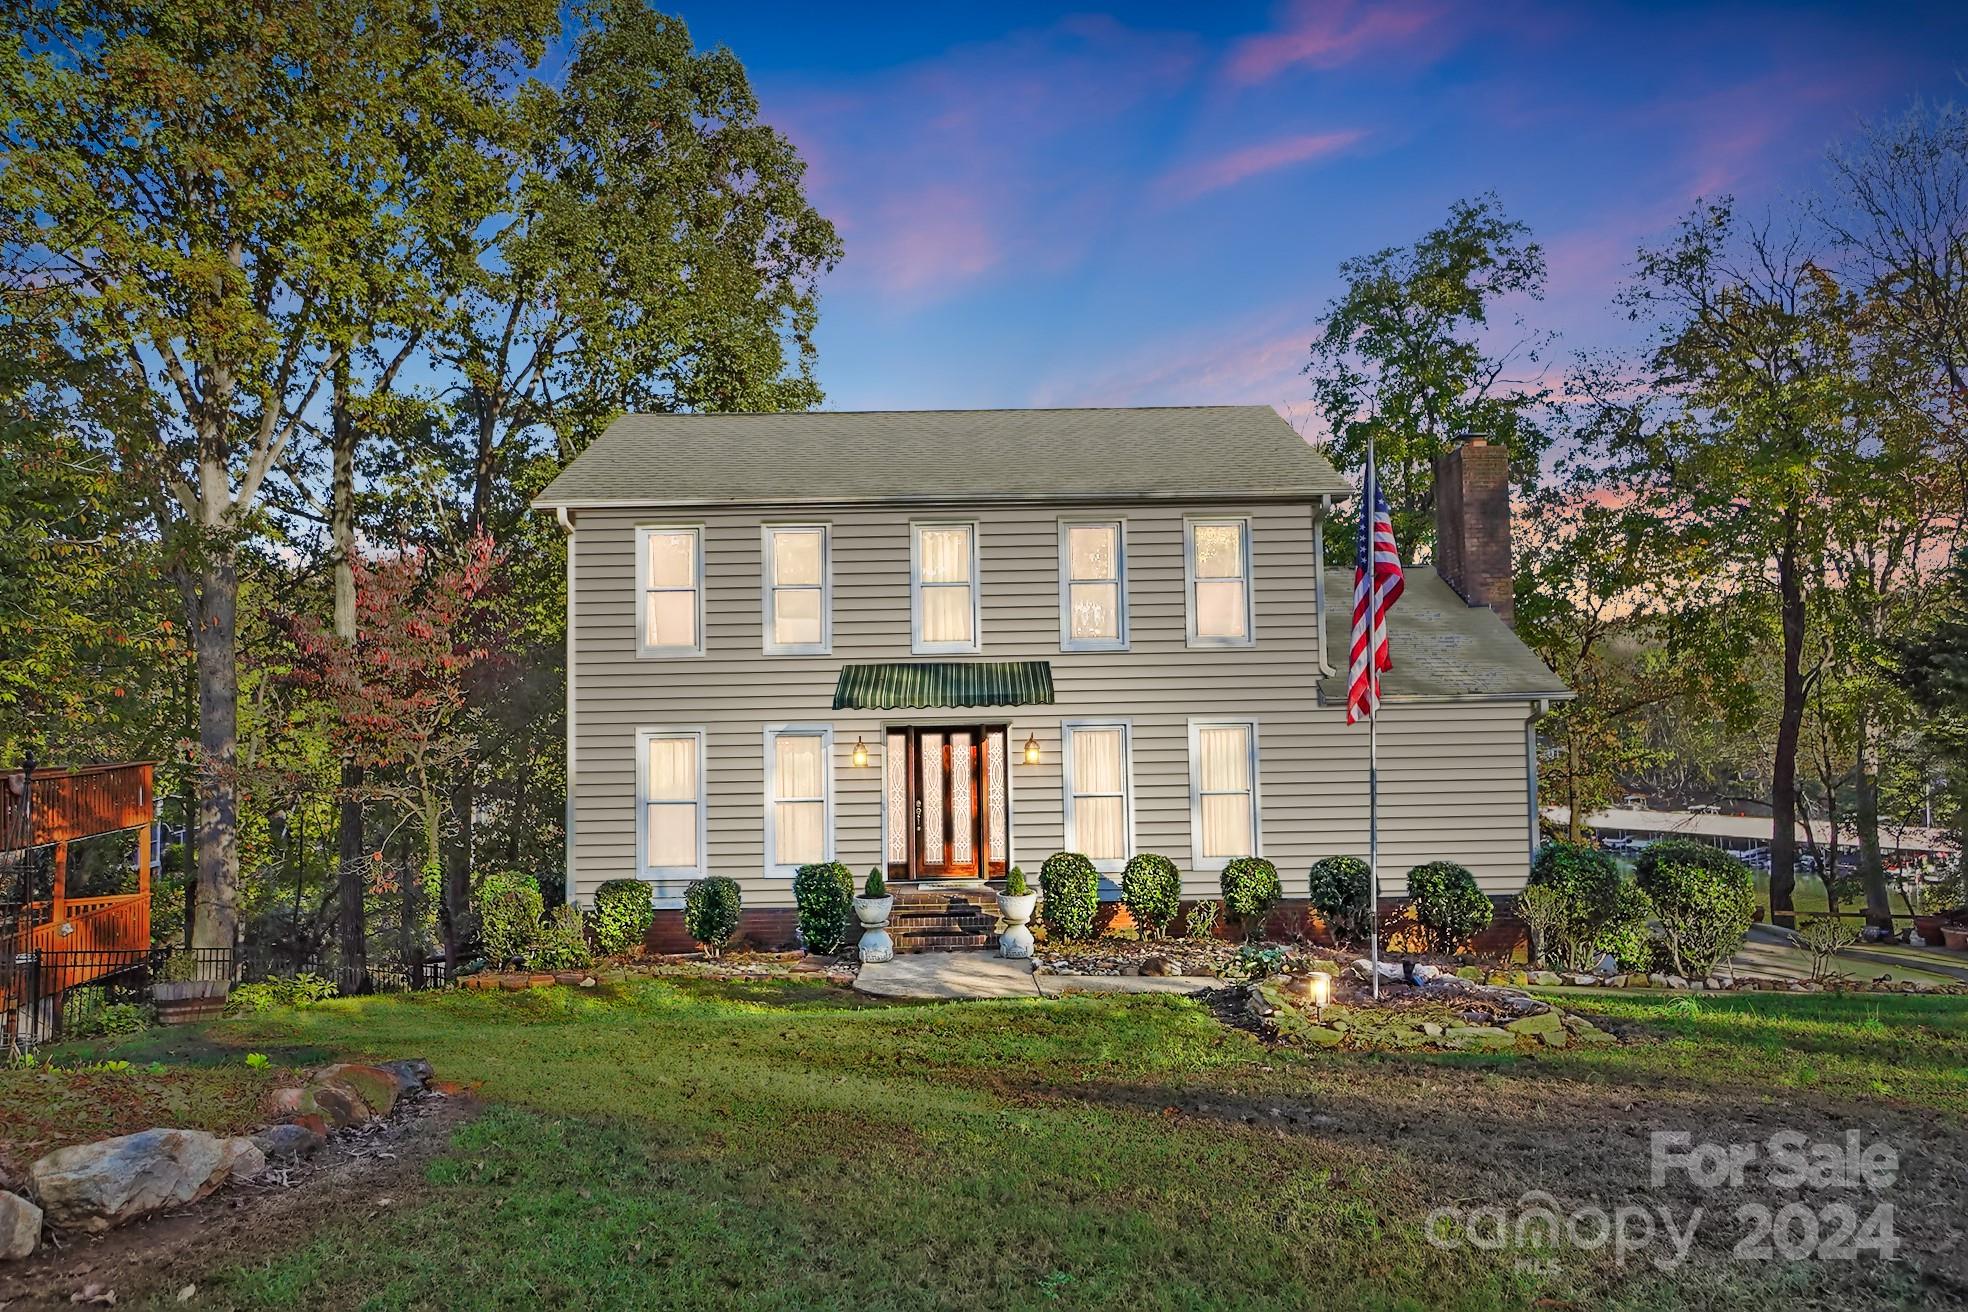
x=71 y=804
x=108 y=926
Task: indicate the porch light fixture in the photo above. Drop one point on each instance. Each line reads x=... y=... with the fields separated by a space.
x=68 y=927
x=860 y=752
x=1032 y=750
x=1321 y=991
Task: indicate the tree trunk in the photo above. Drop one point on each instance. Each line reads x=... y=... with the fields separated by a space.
x=214 y=603
x=1872 y=868
x=351 y=880
x=1783 y=769
x=352 y=867
x=457 y=874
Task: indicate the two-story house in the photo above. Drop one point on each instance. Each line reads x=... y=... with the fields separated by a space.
x=948 y=642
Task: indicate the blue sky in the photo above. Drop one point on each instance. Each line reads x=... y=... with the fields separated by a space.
x=1148 y=204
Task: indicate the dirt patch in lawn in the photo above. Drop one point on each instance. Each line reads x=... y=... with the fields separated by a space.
x=359 y=1172
x=1513 y=1131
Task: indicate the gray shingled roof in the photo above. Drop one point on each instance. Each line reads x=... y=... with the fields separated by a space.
x=1441 y=645
x=1161 y=453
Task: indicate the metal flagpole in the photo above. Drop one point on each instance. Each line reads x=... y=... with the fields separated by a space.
x=1369 y=517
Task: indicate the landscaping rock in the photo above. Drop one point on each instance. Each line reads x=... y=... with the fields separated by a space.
x=1480 y=1037
x=1547 y=978
x=1583 y=981
x=20 y=1227
x=95 y=1186
x=1549 y=1022
x=294 y=1139
x=411 y=1073
x=1555 y=1038
x=374 y=1086
x=1160 y=966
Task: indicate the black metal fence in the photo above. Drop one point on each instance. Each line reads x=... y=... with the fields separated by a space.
x=46 y=996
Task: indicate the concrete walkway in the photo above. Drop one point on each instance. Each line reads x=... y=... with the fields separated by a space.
x=988 y=975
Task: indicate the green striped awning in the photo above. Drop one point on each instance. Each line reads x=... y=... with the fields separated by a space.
x=918 y=685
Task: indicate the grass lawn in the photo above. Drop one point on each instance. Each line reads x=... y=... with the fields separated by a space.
x=694 y=1143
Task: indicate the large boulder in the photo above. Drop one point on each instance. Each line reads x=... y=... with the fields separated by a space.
x=20 y=1227
x=95 y=1186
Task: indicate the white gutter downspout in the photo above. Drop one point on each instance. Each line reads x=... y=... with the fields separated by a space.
x=566 y=522
x=1539 y=709
x=1319 y=581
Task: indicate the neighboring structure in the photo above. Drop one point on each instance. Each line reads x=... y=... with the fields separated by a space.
x=949 y=642
x=1910 y=845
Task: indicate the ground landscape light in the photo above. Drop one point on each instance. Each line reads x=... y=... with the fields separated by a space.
x=1321 y=991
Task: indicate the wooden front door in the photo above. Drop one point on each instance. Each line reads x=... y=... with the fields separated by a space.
x=953 y=803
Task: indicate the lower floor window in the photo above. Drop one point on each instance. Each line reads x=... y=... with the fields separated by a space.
x=1097 y=793
x=798 y=780
x=671 y=775
x=1223 y=789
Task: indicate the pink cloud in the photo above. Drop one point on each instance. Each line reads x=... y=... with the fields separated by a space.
x=1330 y=33
x=1253 y=360
x=995 y=154
x=1198 y=179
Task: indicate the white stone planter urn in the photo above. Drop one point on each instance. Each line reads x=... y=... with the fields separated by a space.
x=872 y=912
x=1016 y=941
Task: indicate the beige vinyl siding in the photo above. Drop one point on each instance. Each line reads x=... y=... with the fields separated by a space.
x=1453 y=774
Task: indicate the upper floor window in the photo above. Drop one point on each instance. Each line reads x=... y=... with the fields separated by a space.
x=670 y=583
x=798 y=795
x=670 y=782
x=943 y=589
x=1217 y=567
x=1092 y=586
x=798 y=584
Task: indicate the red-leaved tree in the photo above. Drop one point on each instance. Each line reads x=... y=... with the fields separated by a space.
x=396 y=695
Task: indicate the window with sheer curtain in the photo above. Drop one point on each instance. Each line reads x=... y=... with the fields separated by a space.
x=671 y=571
x=1218 y=569
x=1092 y=587
x=1098 y=772
x=672 y=798
x=796 y=588
x=1223 y=773
x=946 y=587
x=797 y=780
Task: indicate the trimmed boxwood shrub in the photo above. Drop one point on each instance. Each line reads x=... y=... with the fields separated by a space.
x=509 y=914
x=1704 y=898
x=1071 y=895
x=1448 y=905
x=1339 y=895
x=1626 y=933
x=825 y=894
x=710 y=912
x=1151 y=887
x=1586 y=882
x=1250 y=889
x=623 y=913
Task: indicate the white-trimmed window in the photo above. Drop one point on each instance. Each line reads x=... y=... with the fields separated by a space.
x=798 y=581
x=670 y=789
x=1223 y=810
x=1093 y=586
x=670 y=589
x=1217 y=567
x=799 y=795
x=943 y=601
x=1099 y=768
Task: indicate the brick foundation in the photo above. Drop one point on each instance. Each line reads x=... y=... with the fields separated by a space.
x=770 y=929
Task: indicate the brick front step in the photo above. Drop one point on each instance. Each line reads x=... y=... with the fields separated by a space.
x=944 y=942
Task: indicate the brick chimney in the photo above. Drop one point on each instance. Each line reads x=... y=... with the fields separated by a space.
x=1472 y=524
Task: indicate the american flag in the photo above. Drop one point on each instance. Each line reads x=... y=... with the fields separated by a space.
x=1376 y=587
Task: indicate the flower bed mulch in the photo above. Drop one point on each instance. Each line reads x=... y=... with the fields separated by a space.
x=1438 y=1012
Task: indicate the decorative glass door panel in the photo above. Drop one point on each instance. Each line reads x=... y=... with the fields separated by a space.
x=947 y=803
